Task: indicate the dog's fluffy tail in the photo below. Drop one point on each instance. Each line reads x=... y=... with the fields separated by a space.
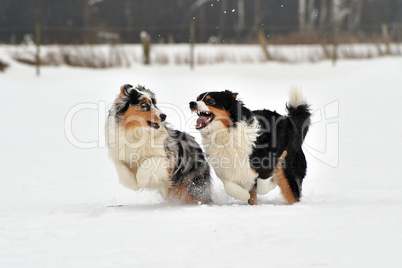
x=299 y=111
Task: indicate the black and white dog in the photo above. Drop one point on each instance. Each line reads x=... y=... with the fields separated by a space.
x=148 y=154
x=253 y=151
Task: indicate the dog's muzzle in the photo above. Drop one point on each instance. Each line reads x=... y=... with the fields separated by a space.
x=193 y=106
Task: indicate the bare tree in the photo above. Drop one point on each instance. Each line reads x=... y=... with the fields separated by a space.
x=312 y=14
x=241 y=22
x=128 y=14
x=86 y=15
x=323 y=15
x=355 y=14
x=198 y=7
x=308 y=14
x=257 y=18
x=222 y=18
x=202 y=23
x=302 y=16
x=339 y=12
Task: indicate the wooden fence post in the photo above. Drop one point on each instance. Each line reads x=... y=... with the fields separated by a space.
x=336 y=41
x=37 y=43
x=192 y=42
x=146 y=40
x=385 y=36
x=263 y=43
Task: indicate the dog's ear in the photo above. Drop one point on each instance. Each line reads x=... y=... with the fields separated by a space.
x=233 y=94
x=124 y=89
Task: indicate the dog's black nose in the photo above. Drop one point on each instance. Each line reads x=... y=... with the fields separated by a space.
x=193 y=105
x=162 y=117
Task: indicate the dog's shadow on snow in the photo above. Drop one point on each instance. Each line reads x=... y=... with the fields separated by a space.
x=169 y=205
x=150 y=201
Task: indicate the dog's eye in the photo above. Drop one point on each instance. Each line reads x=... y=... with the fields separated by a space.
x=145 y=106
x=210 y=102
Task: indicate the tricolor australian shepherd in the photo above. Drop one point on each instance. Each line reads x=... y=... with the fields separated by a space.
x=253 y=151
x=148 y=154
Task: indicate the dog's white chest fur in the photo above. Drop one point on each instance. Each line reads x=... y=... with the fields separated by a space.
x=139 y=154
x=229 y=150
x=135 y=145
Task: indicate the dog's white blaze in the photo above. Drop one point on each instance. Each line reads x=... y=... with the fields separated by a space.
x=202 y=106
x=149 y=97
x=130 y=149
x=146 y=95
x=157 y=111
x=229 y=150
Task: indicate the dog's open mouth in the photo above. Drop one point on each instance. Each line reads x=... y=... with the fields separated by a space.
x=153 y=125
x=204 y=119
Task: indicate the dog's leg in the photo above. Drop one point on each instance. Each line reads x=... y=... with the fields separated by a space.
x=253 y=197
x=265 y=186
x=282 y=181
x=236 y=190
x=126 y=176
x=180 y=192
x=153 y=173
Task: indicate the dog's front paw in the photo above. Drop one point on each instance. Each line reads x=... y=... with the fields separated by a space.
x=265 y=186
x=236 y=190
x=144 y=175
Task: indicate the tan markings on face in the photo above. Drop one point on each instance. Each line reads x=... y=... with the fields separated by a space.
x=136 y=117
x=282 y=181
x=221 y=115
x=122 y=91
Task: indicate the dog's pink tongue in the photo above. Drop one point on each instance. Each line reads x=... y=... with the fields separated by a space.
x=201 y=121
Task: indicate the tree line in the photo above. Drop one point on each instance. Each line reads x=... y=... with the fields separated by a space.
x=220 y=21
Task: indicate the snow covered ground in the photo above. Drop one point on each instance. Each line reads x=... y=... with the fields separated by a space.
x=61 y=204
